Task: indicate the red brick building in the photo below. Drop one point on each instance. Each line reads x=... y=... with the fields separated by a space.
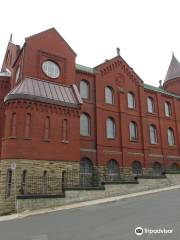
x=56 y=114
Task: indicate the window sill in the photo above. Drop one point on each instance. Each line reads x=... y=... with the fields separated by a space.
x=26 y=138
x=110 y=104
x=12 y=137
x=151 y=113
x=133 y=141
x=85 y=135
x=65 y=141
x=46 y=140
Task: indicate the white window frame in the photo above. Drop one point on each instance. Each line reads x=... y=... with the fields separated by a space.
x=131 y=100
x=110 y=128
x=109 y=95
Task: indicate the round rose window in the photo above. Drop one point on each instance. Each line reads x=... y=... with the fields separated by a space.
x=51 y=69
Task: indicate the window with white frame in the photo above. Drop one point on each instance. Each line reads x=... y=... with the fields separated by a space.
x=109 y=96
x=51 y=69
x=110 y=128
x=167 y=109
x=85 y=124
x=133 y=131
x=84 y=89
x=131 y=100
x=150 y=104
x=170 y=134
x=153 y=134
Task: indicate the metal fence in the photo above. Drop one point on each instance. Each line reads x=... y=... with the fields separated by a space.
x=78 y=179
x=112 y=177
x=37 y=185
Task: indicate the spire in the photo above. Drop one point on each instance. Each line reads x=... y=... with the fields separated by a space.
x=118 y=51
x=173 y=70
x=10 y=39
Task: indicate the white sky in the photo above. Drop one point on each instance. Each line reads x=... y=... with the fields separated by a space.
x=147 y=31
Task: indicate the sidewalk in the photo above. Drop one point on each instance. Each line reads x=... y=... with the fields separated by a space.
x=83 y=204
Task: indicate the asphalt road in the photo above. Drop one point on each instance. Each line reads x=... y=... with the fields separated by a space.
x=110 y=221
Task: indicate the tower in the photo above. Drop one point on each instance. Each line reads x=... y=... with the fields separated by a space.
x=172 y=79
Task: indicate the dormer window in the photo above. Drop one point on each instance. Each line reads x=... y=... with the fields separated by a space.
x=51 y=69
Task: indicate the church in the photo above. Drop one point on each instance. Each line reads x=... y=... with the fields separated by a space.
x=57 y=115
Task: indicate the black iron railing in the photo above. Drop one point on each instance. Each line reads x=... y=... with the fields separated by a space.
x=77 y=179
x=37 y=185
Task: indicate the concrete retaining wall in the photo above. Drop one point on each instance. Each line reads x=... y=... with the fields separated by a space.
x=73 y=196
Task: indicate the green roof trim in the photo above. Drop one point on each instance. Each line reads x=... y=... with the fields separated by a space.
x=160 y=90
x=84 y=68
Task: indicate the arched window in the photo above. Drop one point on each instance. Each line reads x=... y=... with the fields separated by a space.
x=9 y=182
x=170 y=134
x=174 y=167
x=157 y=169
x=153 y=134
x=85 y=125
x=137 y=168
x=86 y=172
x=109 y=96
x=28 y=126
x=131 y=100
x=133 y=131
x=113 y=171
x=47 y=129
x=13 y=125
x=23 y=181
x=110 y=128
x=150 y=104
x=84 y=89
x=65 y=130
x=167 y=109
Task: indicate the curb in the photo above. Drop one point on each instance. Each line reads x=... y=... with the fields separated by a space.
x=83 y=204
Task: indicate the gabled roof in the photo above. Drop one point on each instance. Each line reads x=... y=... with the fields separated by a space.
x=116 y=58
x=48 y=30
x=44 y=91
x=173 y=70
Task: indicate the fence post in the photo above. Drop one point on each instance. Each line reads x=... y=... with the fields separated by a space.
x=63 y=181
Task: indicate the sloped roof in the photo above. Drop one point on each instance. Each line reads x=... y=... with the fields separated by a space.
x=160 y=90
x=83 y=68
x=48 y=30
x=173 y=70
x=44 y=91
x=5 y=74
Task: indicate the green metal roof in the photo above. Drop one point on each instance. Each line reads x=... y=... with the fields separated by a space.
x=84 y=68
x=146 y=86
x=160 y=90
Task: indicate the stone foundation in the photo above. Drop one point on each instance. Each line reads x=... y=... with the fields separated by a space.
x=55 y=168
x=72 y=196
x=33 y=168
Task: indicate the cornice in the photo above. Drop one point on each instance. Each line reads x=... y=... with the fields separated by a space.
x=41 y=107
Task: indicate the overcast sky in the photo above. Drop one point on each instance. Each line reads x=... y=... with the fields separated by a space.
x=146 y=31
